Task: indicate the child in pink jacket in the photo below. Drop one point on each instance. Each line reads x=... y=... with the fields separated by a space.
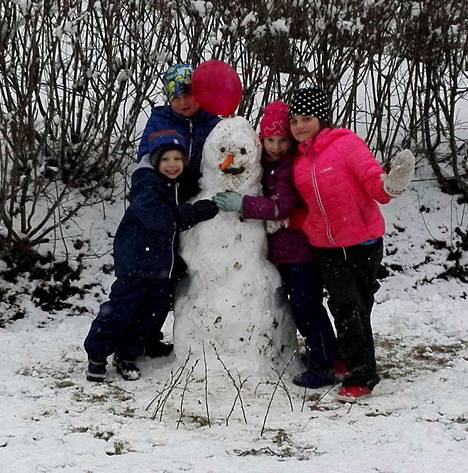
x=342 y=183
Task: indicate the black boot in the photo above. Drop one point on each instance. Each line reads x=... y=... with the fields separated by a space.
x=157 y=348
x=127 y=369
x=96 y=372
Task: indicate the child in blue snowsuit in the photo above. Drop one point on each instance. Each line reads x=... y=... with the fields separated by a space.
x=183 y=114
x=145 y=247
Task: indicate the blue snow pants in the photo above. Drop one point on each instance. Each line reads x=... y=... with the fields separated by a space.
x=135 y=307
x=304 y=287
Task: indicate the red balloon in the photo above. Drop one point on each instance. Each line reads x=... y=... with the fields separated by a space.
x=216 y=87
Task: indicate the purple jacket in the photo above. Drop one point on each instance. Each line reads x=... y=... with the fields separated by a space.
x=279 y=201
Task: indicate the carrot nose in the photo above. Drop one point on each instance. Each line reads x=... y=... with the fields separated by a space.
x=227 y=162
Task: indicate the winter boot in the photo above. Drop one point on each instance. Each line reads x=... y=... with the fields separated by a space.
x=127 y=369
x=96 y=372
x=314 y=379
x=157 y=348
x=353 y=393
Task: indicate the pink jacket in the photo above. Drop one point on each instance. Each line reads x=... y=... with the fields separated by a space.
x=339 y=180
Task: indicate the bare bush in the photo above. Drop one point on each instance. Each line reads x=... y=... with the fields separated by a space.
x=76 y=78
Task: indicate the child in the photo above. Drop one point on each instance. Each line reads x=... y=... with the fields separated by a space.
x=184 y=115
x=145 y=247
x=288 y=247
x=340 y=181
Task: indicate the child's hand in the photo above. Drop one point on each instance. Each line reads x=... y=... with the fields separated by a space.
x=272 y=226
x=205 y=208
x=400 y=174
x=228 y=201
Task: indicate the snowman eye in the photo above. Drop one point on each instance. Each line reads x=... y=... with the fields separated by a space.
x=243 y=151
x=222 y=149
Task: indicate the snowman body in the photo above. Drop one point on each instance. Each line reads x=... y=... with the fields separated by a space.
x=231 y=307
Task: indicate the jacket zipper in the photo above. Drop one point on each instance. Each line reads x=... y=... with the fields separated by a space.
x=321 y=206
x=190 y=142
x=174 y=233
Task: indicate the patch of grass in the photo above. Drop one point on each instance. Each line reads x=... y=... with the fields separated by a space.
x=402 y=360
x=202 y=421
x=377 y=413
x=281 y=438
x=79 y=430
x=64 y=383
x=257 y=452
x=81 y=396
x=126 y=412
x=120 y=448
x=104 y=435
x=460 y=420
x=108 y=393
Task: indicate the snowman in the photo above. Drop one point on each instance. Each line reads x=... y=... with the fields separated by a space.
x=231 y=306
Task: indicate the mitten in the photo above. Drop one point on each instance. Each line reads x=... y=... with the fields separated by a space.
x=272 y=226
x=400 y=174
x=205 y=208
x=228 y=201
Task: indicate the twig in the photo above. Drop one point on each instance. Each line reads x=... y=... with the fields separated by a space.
x=238 y=396
x=188 y=380
x=238 y=388
x=170 y=384
x=316 y=403
x=286 y=390
x=423 y=219
x=303 y=399
x=282 y=386
x=277 y=384
x=206 y=385
x=163 y=403
x=159 y=393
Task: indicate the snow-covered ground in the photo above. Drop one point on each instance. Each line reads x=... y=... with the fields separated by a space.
x=53 y=420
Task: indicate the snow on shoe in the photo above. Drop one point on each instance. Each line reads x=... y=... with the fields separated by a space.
x=127 y=369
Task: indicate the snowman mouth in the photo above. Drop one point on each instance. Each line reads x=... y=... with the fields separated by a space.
x=234 y=171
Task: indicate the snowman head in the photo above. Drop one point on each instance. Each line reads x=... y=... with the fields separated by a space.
x=231 y=158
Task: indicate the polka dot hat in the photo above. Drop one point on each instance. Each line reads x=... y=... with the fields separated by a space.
x=311 y=101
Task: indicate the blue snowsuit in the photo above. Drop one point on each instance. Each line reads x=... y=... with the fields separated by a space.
x=145 y=248
x=194 y=129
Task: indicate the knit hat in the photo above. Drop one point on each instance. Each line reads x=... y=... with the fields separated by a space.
x=275 y=121
x=165 y=140
x=177 y=80
x=311 y=101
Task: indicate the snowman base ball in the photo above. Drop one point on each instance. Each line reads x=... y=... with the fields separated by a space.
x=232 y=309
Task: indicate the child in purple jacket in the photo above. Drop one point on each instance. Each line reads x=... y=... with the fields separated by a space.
x=288 y=247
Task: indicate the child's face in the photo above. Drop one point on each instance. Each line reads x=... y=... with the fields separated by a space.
x=171 y=163
x=304 y=127
x=276 y=147
x=185 y=105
